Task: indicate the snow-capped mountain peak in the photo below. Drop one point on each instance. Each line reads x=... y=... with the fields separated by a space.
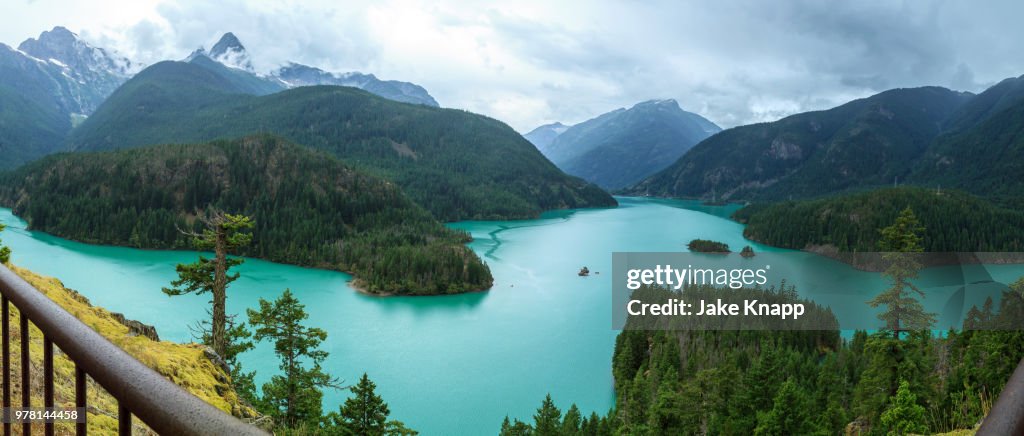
x=230 y=52
x=65 y=48
x=88 y=73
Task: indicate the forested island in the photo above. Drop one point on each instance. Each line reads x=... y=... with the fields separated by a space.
x=707 y=246
x=310 y=209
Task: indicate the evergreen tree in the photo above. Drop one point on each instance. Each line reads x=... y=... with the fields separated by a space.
x=515 y=428
x=666 y=414
x=223 y=233
x=5 y=251
x=398 y=428
x=572 y=421
x=548 y=419
x=365 y=413
x=901 y=243
x=904 y=416
x=788 y=414
x=592 y=425
x=294 y=397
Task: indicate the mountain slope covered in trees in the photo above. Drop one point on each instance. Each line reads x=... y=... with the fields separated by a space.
x=867 y=142
x=985 y=158
x=456 y=164
x=309 y=208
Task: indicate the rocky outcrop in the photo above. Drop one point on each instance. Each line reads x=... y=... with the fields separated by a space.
x=136 y=328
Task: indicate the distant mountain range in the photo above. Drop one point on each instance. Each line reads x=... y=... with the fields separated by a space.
x=51 y=83
x=230 y=52
x=543 y=136
x=920 y=136
x=622 y=147
x=47 y=85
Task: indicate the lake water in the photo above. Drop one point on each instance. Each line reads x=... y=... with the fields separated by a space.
x=446 y=365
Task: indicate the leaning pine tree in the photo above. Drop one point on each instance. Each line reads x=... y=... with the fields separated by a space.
x=222 y=233
x=901 y=244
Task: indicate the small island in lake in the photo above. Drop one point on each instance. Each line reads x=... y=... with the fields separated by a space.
x=707 y=246
x=747 y=252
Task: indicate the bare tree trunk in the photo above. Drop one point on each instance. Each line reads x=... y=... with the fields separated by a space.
x=220 y=283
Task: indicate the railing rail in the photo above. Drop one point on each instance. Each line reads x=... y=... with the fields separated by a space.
x=162 y=405
x=1007 y=415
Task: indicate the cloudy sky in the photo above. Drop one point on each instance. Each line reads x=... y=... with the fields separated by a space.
x=529 y=63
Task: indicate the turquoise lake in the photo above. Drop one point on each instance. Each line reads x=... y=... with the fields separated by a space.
x=453 y=365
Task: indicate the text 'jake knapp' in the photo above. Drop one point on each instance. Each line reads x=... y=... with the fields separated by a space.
x=677 y=307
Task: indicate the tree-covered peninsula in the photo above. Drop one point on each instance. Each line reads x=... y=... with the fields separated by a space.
x=953 y=221
x=309 y=208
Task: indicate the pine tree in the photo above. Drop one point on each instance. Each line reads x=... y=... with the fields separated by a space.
x=293 y=398
x=548 y=419
x=788 y=414
x=905 y=416
x=5 y=251
x=365 y=413
x=901 y=243
x=572 y=421
x=666 y=415
x=223 y=233
x=515 y=428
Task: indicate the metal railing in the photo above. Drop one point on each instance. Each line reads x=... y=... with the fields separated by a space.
x=160 y=404
x=1007 y=415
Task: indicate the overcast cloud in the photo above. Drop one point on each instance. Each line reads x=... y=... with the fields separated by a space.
x=529 y=63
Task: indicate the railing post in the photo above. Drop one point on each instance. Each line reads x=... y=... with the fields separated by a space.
x=26 y=373
x=124 y=420
x=48 y=382
x=6 y=327
x=80 y=400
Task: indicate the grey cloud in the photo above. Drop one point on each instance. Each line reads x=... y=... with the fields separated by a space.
x=735 y=62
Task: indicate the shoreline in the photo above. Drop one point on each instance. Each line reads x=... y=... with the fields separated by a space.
x=873 y=262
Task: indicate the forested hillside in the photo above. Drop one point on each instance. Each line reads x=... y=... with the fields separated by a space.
x=867 y=142
x=744 y=382
x=953 y=221
x=811 y=382
x=28 y=129
x=456 y=164
x=33 y=118
x=309 y=208
x=987 y=158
